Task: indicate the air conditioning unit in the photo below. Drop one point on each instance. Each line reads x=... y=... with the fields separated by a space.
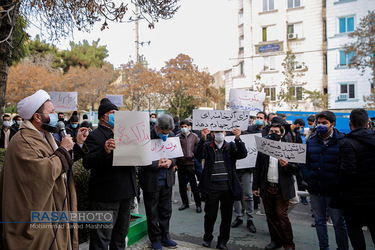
x=292 y=36
x=343 y=97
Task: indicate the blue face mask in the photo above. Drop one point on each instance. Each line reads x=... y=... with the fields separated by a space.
x=163 y=136
x=322 y=129
x=311 y=127
x=111 y=119
x=259 y=122
x=53 y=119
x=74 y=125
x=153 y=120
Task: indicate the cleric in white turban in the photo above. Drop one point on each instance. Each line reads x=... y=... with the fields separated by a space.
x=37 y=176
x=29 y=105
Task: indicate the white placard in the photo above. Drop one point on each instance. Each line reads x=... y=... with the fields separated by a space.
x=116 y=99
x=171 y=148
x=132 y=136
x=252 y=151
x=64 y=101
x=220 y=120
x=291 y=152
x=246 y=100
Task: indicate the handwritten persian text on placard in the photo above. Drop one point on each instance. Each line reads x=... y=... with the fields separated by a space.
x=64 y=101
x=246 y=100
x=220 y=120
x=252 y=152
x=291 y=152
x=171 y=148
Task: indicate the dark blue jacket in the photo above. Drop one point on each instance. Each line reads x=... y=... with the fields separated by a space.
x=233 y=151
x=320 y=170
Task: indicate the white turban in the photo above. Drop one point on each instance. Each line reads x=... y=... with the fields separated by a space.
x=29 y=105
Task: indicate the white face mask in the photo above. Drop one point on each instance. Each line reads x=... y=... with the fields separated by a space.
x=219 y=137
x=184 y=130
x=6 y=123
x=19 y=123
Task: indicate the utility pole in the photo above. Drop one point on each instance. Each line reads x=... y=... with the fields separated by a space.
x=136 y=105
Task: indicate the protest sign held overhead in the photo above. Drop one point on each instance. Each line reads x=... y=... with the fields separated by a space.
x=220 y=120
x=292 y=152
x=64 y=101
x=246 y=101
x=171 y=148
x=116 y=100
x=132 y=136
x=252 y=151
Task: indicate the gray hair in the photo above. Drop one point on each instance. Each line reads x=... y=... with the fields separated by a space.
x=165 y=123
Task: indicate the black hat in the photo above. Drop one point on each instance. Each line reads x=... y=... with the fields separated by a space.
x=105 y=106
x=74 y=118
x=280 y=120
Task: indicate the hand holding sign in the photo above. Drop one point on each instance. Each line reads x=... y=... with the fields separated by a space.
x=165 y=163
x=237 y=133
x=204 y=133
x=283 y=162
x=109 y=145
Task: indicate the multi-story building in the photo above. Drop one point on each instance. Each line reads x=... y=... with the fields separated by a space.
x=267 y=30
x=346 y=86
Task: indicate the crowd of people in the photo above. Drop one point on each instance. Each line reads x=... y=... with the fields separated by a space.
x=338 y=176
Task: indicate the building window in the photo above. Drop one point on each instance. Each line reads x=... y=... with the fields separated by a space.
x=270 y=93
x=346 y=24
x=294 y=3
x=268 y=5
x=240 y=18
x=269 y=63
x=241 y=44
x=242 y=64
x=296 y=62
x=269 y=33
x=296 y=92
x=345 y=58
x=295 y=29
x=347 y=91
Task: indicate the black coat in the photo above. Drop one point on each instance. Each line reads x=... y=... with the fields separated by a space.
x=233 y=151
x=107 y=182
x=149 y=175
x=253 y=129
x=286 y=180
x=356 y=185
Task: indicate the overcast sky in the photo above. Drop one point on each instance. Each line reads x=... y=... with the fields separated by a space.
x=206 y=30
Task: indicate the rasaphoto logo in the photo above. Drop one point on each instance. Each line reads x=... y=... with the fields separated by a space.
x=71 y=217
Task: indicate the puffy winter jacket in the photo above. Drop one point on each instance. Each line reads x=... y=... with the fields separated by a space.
x=320 y=170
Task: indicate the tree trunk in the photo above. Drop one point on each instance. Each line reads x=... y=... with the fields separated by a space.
x=6 y=26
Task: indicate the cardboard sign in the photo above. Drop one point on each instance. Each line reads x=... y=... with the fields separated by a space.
x=246 y=100
x=220 y=120
x=171 y=148
x=291 y=152
x=64 y=101
x=132 y=136
x=117 y=100
x=252 y=151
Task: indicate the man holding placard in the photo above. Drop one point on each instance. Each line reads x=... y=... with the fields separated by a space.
x=156 y=181
x=219 y=182
x=273 y=181
x=111 y=188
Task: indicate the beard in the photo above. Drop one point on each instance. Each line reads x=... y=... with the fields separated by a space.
x=49 y=128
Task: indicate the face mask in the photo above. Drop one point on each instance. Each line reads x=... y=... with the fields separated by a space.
x=219 y=137
x=6 y=123
x=322 y=129
x=53 y=119
x=153 y=120
x=259 y=122
x=184 y=130
x=19 y=123
x=163 y=136
x=111 y=119
x=274 y=137
x=311 y=127
x=298 y=130
x=51 y=126
x=61 y=119
x=74 y=125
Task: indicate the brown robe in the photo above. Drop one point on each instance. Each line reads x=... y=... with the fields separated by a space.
x=33 y=179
